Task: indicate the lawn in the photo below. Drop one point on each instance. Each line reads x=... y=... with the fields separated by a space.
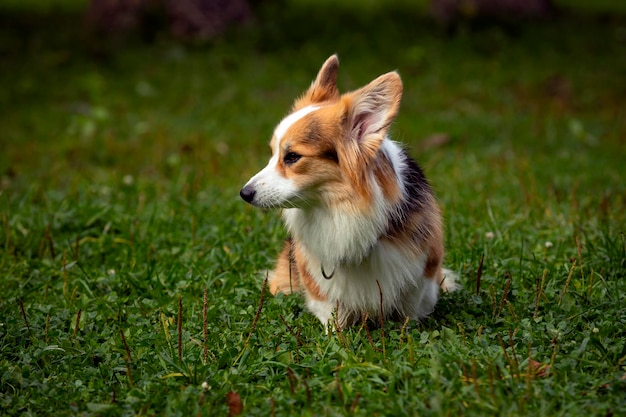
x=130 y=270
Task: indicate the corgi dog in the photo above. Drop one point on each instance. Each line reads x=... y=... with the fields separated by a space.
x=365 y=229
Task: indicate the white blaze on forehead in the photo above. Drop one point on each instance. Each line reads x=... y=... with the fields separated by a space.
x=288 y=121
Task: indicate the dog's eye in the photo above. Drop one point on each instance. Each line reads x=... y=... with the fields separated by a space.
x=291 y=158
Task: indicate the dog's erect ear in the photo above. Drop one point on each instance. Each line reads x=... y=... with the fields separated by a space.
x=324 y=88
x=372 y=109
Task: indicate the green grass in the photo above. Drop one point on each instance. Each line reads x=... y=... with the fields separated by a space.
x=120 y=167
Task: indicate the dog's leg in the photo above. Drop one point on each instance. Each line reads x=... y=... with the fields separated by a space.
x=419 y=301
x=326 y=313
x=285 y=278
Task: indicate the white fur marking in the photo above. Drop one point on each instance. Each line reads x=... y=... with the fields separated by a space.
x=396 y=156
x=288 y=121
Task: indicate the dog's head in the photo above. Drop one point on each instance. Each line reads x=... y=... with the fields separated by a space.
x=325 y=150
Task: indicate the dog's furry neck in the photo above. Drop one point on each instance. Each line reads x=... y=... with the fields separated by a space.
x=343 y=234
x=334 y=237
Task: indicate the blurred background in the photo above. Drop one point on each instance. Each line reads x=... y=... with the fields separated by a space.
x=110 y=91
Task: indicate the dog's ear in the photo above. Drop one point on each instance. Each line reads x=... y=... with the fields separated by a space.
x=324 y=88
x=371 y=110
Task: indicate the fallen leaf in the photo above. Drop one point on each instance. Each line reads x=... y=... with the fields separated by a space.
x=539 y=369
x=235 y=406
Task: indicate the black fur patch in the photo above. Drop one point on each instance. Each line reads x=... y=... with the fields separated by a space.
x=417 y=193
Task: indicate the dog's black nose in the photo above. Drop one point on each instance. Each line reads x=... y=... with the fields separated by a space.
x=247 y=193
